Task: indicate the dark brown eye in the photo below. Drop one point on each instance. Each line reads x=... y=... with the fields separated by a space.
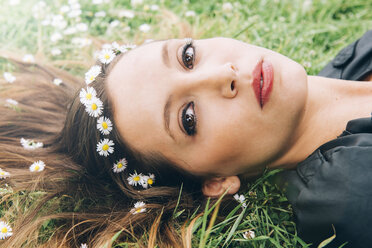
x=232 y=86
x=188 y=56
x=189 y=119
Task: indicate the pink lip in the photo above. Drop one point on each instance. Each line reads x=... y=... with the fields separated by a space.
x=265 y=69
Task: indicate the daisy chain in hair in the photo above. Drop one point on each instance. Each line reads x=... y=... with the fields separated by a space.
x=135 y=179
x=120 y=165
x=106 y=56
x=4 y=174
x=30 y=144
x=148 y=180
x=139 y=207
x=94 y=108
x=37 y=166
x=87 y=96
x=5 y=230
x=93 y=72
x=105 y=147
x=104 y=125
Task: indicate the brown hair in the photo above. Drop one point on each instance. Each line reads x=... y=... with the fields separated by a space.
x=78 y=196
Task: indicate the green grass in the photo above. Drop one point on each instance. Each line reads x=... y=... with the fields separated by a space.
x=310 y=32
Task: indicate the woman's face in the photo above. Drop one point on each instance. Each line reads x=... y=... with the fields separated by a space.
x=203 y=115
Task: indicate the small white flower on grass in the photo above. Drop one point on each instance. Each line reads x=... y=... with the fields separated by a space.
x=87 y=96
x=105 y=147
x=93 y=72
x=136 y=3
x=30 y=144
x=154 y=7
x=70 y=31
x=106 y=56
x=114 y=23
x=135 y=179
x=94 y=108
x=126 y=13
x=14 y=2
x=120 y=165
x=148 y=180
x=81 y=42
x=144 y=28
x=37 y=166
x=75 y=12
x=100 y=14
x=4 y=174
x=104 y=125
x=227 y=7
x=10 y=102
x=139 y=207
x=64 y=9
x=190 y=13
x=56 y=37
x=249 y=234
x=240 y=199
x=9 y=77
x=56 y=51
x=84 y=246
x=28 y=58
x=5 y=230
x=57 y=81
x=82 y=27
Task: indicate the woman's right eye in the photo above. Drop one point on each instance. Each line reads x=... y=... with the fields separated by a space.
x=189 y=119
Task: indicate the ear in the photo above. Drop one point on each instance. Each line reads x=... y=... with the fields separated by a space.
x=215 y=187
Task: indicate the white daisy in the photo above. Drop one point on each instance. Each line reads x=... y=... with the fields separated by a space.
x=4 y=174
x=144 y=28
x=37 y=166
x=120 y=165
x=28 y=58
x=135 y=179
x=100 y=14
x=148 y=180
x=139 y=207
x=93 y=72
x=104 y=125
x=190 y=13
x=126 y=13
x=9 y=77
x=10 y=102
x=227 y=7
x=249 y=234
x=136 y=3
x=82 y=27
x=104 y=147
x=57 y=81
x=84 y=246
x=106 y=56
x=87 y=96
x=56 y=37
x=56 y=51
x=5 y=230
x=94 y=108
x=30 y=144
x=240 y=199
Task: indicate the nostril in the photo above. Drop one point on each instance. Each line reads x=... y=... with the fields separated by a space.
x=232 y=86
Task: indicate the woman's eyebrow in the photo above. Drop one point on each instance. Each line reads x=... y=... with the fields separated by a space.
x=167 y=108
x=165 y=53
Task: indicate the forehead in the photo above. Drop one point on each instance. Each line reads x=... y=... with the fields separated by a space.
x=136 y=93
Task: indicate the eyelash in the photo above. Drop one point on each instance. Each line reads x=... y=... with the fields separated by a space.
x=189 y=43
x=190 y=130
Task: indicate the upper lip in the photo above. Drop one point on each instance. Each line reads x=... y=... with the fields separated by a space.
x=256 y=75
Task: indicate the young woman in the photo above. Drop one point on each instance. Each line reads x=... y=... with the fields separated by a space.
x=197 y=115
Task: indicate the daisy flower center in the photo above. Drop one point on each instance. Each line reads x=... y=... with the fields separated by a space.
x=150 y=181
x=88 y=96
x=138 y=210
x=107 y=56
x=4 y=230
x=91 y=78
x=105 y=147
x=37 y=167
x=120 y=165
x=104 y=125
x=94 y=106
x=2 y=173
x=136 y=178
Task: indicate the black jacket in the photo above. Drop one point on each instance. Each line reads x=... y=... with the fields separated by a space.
x=333 y=186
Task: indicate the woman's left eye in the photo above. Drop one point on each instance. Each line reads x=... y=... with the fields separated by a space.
x=189 y=119
x=188 y=56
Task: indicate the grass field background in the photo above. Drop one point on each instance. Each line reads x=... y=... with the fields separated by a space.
x=67 y=33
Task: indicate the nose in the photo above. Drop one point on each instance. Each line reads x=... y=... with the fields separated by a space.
x=220 y=79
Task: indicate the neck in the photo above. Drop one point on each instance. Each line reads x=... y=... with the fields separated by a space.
x=331 y=103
